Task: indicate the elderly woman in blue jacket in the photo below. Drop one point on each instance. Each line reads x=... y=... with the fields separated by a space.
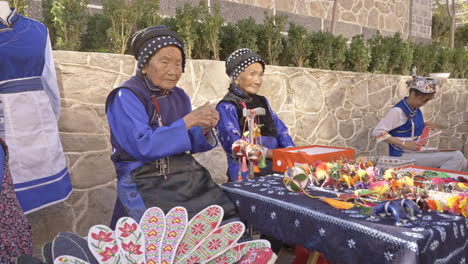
x=246 y=68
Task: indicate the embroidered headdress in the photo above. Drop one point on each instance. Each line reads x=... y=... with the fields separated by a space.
x=424 y=85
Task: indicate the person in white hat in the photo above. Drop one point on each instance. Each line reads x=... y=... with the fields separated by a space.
x=403 y=126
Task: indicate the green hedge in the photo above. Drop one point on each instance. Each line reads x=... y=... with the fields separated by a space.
x=207 y=38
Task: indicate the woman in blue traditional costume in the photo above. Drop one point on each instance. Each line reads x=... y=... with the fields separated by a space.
x=29 y=112
x=246 y=68
x=154 y=131
x=403 y=126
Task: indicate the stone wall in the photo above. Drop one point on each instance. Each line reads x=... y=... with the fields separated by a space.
x=411 y=18
x=319 y=107
x=421 y=20
x=353 y=17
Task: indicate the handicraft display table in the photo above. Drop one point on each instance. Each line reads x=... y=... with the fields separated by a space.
x=347 y=236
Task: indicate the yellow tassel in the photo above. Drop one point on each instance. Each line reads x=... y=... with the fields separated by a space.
x=338 y=204
x=256 y=168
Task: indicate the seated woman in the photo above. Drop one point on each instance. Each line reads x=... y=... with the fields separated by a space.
x=246 y=68
x=15 y=231
x=154 y=131
x=403 y=125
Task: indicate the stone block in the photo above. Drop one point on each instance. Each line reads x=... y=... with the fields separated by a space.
x=48 y=222
x=98 y=208
x=285 y=5
x=348 y=17
x=327 y=129
x=380 y=99
x=449 y=102
x=308 y=96
x=342 y=114
x=213 y=82
x=168 y=7
x=376 y=84
x=233 y=12
x=84 y=142
x=335 y=98
x=361 y=140
x=306 y=125
x=369 y=32
x=462 y=102
x=110 y=62
x=312 y=24
x=186 y=82
x=288 y=119
x=86 y=84
x=317 y=10
x=73 y=57
x=383 y=7
x=274 y=89
x=347 y=30
x=93 y=169
x=346 y=128
x=392 y=23
x=80 y=119
x=358 y=95
x=346 y=5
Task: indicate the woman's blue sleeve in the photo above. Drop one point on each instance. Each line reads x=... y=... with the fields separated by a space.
x=228 y=126
x=128 y=122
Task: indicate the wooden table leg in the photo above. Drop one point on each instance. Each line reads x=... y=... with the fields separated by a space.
x=313 y=257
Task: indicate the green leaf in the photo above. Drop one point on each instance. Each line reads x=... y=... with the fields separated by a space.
x=294 y=187
x=300 y=177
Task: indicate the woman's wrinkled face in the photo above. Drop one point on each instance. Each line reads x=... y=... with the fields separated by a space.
x=250 y=80
x=165 y=67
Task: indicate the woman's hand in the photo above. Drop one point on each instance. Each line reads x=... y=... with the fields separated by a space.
x=431 y=125
x=411 y=145
x=205 y=116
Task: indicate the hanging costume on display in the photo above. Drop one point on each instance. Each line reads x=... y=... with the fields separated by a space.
x=15 y=231
x=274 y=133
x=152 y=146
x=29 y=112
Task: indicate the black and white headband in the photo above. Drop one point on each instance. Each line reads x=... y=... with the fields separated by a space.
x=148 y=41
x=241 y=59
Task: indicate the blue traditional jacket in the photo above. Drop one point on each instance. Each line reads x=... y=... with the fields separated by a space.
x=29 y=111
x=229 y=131
x=413 y=127
x=138 y=139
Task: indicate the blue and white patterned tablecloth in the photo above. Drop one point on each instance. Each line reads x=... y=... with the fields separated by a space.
x=347 y=236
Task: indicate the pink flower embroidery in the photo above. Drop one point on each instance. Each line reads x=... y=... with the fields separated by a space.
x=214 y=244
x=223 y=260
x=193 y=260
x=132 y=248
x=198 y=229
x=182 y=249
x=102 y=236
x=128 y=229
x=213 y=211
x=235 y=229
x=108 y=253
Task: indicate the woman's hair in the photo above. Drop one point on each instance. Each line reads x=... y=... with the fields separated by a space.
x=417 y=92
